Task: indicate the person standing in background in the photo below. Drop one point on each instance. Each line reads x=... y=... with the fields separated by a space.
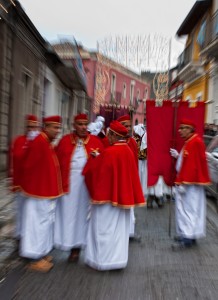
x=140 y=135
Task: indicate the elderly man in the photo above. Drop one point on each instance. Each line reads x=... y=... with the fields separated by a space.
x=72 y=209
x=114 y=186
x=192 y=176
x=16 y=168
x=41 y=185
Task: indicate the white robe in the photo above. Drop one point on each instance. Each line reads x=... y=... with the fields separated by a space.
x=108 y=237
x=18 y=198
x=37 y=227
x=158 y=189
x=142 y=164
x=72 y=209
x=190 y=209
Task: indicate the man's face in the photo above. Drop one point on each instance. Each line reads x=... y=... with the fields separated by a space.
x=128 y=126
x=185 y=131
x=81 y=128
x=52 y=130
x=32 y=126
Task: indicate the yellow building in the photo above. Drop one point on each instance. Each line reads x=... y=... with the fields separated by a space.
x=198 y=64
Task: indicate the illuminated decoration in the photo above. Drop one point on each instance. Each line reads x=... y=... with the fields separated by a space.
x=141 y=53
x=102 y=81
x=160 y=86
x=12 y=2
x=6 y=5
x=3 y=8
x=138 y=53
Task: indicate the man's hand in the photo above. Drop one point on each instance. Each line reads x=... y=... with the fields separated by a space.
x=174 y=153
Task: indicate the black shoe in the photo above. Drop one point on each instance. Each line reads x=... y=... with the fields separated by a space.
x=149 y=203
x=136 y=238
x=183 y=244
x=74 y=255
x=159 y=201
x=177 y=238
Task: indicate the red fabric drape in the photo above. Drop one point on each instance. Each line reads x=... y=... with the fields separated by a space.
x=162 y=134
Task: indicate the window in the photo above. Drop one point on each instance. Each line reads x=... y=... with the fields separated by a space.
x=202 y=34
x=124 y=90
x=146 y=94
x=113 y=85
x=132 y=85
x=199 y=96
x=138 y=94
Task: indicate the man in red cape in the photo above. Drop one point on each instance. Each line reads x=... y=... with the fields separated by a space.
x=113 y=183
x=72 y=210
x=41 y=185
x=192 y=176
x=126 y=122
x=15 y=165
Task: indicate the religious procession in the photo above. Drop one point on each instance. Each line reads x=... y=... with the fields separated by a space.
x=79 y=193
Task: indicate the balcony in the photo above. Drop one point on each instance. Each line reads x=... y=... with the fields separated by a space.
x=188 y=69
x=210 y=48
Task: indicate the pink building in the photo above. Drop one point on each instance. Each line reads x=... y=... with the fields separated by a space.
x=114 y=89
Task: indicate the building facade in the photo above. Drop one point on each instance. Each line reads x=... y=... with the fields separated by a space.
x=33 y=79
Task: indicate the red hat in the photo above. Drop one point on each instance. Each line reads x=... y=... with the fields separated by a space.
x=118 y=128
x=31 y=118
x=81 y=117
x=188 y=122
x=124 y=118
x=52 y=119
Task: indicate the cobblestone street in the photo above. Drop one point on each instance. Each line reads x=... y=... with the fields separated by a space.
x=154 y=271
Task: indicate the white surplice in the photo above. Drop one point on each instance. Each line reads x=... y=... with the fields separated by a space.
x=108 y=237
x=72 y=209
x=190 y=209
x=37 y=227
x=142 y=164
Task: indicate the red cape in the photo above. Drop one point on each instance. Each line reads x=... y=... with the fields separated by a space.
x=65 y=150
x=113 y=177
x=15 y=161
x=194 y=169
x=41 y=172
x=133 y=146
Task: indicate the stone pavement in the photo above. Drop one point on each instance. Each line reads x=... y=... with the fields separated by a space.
x=154 y=271
x=7 y=216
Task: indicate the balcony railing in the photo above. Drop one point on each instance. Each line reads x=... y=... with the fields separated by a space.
x=185 y=57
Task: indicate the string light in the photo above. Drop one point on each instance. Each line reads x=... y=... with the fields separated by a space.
x=3 y=8
x=12 y=2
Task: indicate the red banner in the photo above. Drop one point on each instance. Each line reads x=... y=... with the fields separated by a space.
x=162 y=134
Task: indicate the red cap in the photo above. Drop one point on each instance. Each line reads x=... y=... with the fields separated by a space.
x=52 y=119
x=118 y=128
x=188 y=122
x=124 y=118
x=81 y=117
x=31 y=118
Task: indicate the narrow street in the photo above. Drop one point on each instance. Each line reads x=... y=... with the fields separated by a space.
x=154 y=271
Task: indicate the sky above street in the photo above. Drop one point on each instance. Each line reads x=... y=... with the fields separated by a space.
x=92 y=21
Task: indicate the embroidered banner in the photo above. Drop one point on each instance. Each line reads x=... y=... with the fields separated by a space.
x=162 y=134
